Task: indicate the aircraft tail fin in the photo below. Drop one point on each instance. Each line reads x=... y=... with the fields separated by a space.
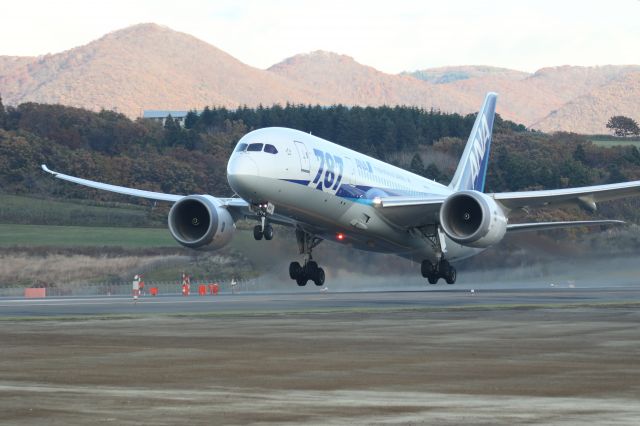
x=472 y=168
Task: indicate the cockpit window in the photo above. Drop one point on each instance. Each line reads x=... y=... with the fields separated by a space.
x=241 y=147
x=270 y=149
x=255 y=147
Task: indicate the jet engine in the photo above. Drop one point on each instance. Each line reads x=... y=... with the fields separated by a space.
x=473 y=219
x=197 y=221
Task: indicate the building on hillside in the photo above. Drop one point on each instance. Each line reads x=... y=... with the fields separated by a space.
x=161 y=115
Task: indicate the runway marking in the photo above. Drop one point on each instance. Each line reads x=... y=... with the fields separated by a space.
x=97 y=302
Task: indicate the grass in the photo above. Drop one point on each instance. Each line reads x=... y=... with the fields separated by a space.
x=69 y=254
x=18 y=270
x=31 y=210
x=80 y=236
x=611 y=141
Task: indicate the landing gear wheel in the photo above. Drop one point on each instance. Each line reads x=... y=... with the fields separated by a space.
x=427 y=269
x=311 y=268
x=433 y=279
x=294 y=270
x=268 y=232
x=318 y=278
x=257 y=232
x=451 y=276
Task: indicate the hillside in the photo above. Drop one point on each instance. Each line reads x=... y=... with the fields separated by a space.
x=12 y=64
x=148 y=66
x=590 y=112
x=352 y=83
x=443 y=75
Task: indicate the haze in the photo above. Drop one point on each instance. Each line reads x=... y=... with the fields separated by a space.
x=390 y=36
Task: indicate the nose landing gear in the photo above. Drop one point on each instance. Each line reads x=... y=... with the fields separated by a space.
x=264 y=230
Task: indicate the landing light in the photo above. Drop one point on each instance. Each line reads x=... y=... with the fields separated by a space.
x=340 y=236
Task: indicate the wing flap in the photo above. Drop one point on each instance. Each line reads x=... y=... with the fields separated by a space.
x=409 y=212
x=545 y=226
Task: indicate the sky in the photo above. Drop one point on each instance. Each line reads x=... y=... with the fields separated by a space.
x=391 y=35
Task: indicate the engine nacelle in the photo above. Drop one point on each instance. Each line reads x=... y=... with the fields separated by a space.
x=473 y=219
x=197 y=221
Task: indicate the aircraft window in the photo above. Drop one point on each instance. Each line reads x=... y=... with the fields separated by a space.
x=255 y=147
x=241 y=147
x=270 y=149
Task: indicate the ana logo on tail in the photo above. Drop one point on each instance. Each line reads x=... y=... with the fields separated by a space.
x=478 y=151
x=472 y=168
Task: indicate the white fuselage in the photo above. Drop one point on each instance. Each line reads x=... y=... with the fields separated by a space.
x=329 y=190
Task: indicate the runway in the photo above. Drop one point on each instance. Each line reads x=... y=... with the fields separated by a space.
x=438 y=356
x=318 y=301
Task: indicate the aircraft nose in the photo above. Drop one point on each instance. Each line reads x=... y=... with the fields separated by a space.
x=240 y=167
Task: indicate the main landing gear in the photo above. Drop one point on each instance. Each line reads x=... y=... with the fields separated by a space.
x=264 y=229
x=310 y=270
x=442 y=269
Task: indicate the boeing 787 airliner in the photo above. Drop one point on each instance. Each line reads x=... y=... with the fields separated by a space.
x=328 y=192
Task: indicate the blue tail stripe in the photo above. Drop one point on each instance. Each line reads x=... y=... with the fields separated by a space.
x=472 y=169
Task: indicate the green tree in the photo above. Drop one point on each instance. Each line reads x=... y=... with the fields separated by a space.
x=433 y=172
x=579 y=154
x=171 y=131
x=417 y=166
x=191 y=120
x=623 y=126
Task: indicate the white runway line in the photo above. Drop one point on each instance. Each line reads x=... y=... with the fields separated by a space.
x=93 y=302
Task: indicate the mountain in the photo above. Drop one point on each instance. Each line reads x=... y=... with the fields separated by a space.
x=590 y=112
x=352 y=83
x=149 y=66
x=143 y=67
x=529 y=99
x=443 y=75
x=11 y=64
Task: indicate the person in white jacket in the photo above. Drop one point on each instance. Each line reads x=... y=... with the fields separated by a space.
x=136 y=287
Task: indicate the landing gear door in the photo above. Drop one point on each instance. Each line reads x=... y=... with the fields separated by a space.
x=303 y=154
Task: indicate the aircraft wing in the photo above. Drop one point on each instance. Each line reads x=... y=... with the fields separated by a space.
x=238 y=207
x=159 y=196
x=586 y=196
x=408 y=212
x=113 y=188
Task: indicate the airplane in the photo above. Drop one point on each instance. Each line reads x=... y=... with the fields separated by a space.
x=327 y=192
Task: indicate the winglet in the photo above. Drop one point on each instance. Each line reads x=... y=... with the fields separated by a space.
x=46 y=169
x=472 y=168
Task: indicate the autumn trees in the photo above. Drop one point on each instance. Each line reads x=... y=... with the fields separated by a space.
x=110 y=147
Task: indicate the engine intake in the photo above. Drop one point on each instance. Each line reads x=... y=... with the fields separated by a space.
x=473 y=219
x=197 y=221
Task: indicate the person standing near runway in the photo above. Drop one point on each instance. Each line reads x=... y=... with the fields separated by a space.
x=136 y=288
